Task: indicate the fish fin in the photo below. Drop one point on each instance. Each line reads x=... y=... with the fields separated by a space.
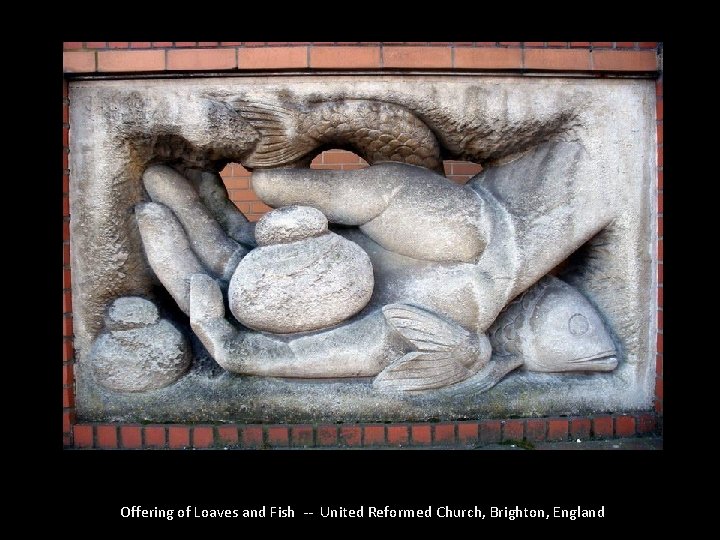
x=424 y=330
x=494 y=372
x=279 y=143
x=417 y=371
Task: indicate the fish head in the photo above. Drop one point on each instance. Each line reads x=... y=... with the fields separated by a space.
x=568 y=334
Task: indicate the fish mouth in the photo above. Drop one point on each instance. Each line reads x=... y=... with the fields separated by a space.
x=604 y=361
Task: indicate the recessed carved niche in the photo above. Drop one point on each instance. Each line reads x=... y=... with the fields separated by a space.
x=387 y=293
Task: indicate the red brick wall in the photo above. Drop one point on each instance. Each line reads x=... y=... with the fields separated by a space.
x=590 y=58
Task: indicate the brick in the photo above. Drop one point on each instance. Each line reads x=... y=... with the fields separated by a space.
x=658 y=406
x=67 y=278
x=467 y=433
x=557 y=43
x=115 y=61
x=162 y=43
x=605 y=44
x=534 y=44
x=444 y=433
x=186 y=43
x=660 y=209
x=421 y=434
x=68 y=420
x=65 y=159
x=624 y=61
x=465 y=167
x=510 y=43
x=660 y=319
x=67 y=326
x=339 y=156
x=67 y=302
x=207 y=43
x=648 y=44
x=624 y=426
x=78 y=62
x=556 y=59
x=624 y=44
x=118 y=44
x=602 y=427
x=154 y=436
x=201 y=59
x=95 y=44
x=660 y=156
x=203 y=437
x=68 y=352
x=417 y=57
x=273 y=58
x=398 y=435
x=107 y=437
x=82 y=436
x=130 y=437
x=513 y=429
x=72 y=45
x=345 y=57
x=66 y=182
x=302 y=436
x=660 y=272
x=350 y=436
x=487 y=58
x=243 y=195
x=659 y=364
x=254 y=43
x=660 y=133
x=327 y=436
x=557 y=430
x=579 y=43
x=66 y=205
x=580 y=428
x=68 y=397
x=67 y=374
x=278 y=436
x=660 y=296
x=486 y=43
x=490 y=431
x=535 y=429
x=659 y=387
x=235 y=182
x=353 y=166
x=646 y=423
x=179 y=436
x=374 y=435
x=260 y=207
x=252 y=436
x=67 y=440
x=231 y=43
x=660 y=249
x=660 y=343
x=227 y=435
x=659 y=108
x=65 y=113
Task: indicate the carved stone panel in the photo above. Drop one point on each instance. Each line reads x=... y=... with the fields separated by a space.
x=386 y=293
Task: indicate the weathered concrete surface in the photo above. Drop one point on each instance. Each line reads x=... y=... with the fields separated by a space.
x=118 y=127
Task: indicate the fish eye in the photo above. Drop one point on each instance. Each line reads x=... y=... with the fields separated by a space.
x=578 y=324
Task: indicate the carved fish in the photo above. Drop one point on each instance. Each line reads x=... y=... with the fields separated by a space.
x=552 y=328
x=446 y=353
x=376 y=130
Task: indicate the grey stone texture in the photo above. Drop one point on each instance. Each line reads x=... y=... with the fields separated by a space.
x=568 y=179
x=138 y=352
x=306 y=282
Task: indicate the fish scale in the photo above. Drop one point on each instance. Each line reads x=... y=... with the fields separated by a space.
x=376 y=131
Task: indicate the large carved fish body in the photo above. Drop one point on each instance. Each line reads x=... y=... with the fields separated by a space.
x=376 y=130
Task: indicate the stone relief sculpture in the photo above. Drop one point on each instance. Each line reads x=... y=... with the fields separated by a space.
x=390 y=277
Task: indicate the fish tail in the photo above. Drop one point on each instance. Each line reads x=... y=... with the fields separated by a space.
x=280 y=143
